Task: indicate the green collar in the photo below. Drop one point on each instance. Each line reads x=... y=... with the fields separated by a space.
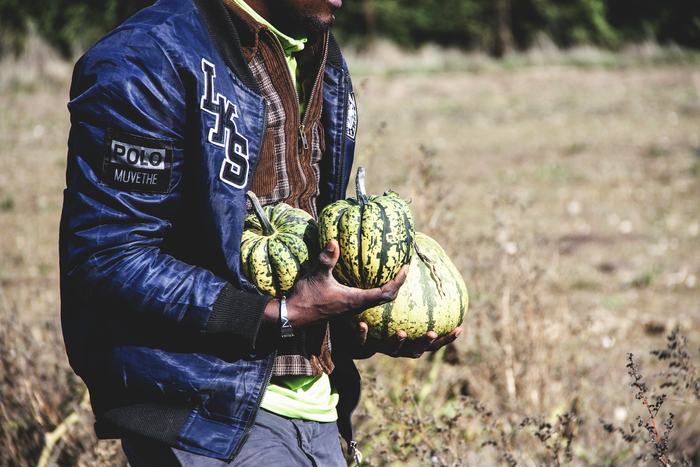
x=289 y=44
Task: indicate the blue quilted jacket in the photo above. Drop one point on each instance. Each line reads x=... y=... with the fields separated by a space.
x=167 y=125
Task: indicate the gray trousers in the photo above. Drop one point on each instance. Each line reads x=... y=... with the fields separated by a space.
x=273 y=442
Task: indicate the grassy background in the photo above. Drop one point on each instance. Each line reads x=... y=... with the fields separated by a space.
x=565 y=188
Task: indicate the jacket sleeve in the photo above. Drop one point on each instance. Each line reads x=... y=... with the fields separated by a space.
x=128 y=106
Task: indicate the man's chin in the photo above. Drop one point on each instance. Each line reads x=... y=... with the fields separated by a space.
x=296 y=23
x=313 y=26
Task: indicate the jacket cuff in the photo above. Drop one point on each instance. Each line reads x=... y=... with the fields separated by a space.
x=238 y=313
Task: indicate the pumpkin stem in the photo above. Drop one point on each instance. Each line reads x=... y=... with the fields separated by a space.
x=432 y=267
x=360 y=186
x=267 y=228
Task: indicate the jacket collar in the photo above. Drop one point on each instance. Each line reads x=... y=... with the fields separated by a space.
x=226 y=38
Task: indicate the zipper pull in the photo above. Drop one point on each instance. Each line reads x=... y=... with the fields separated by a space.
x=304 y=142
x=355 y=453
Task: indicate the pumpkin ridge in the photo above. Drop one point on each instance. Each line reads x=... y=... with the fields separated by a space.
x=343 y=272
x=361 y=273
x=288 y=246
x=275 y=279
x=251 y=243
x=463 y=297
x=385 y=244
x=394 y=250
x=384 y=257
x=410 y=238
x=282 y=269
x=291 y=221
x=258 y=259
x=426 y=272
x=348 y=244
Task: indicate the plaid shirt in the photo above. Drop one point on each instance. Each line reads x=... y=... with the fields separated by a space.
x=288 y=170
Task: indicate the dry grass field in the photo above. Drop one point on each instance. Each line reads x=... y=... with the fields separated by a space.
x=567 y=194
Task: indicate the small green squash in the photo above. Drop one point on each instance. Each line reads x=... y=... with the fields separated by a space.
x=433 y=298
x=375 y=234
x=279 y=245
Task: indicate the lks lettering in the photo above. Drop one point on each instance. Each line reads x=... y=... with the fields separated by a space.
x=234 y=169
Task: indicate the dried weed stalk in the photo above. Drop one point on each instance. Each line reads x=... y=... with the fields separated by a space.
x=682 y=373
x=403 y=431
x=654 y=433
x=660 y=442
x=557 y=437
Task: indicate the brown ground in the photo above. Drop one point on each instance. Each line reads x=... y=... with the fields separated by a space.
x=568 y=196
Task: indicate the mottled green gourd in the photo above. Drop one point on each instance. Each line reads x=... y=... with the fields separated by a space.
x=433 y=298
x=375 y=234
x=279 y=245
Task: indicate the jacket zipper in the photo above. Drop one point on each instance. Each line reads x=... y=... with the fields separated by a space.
x=355 y=453
x=302 y=125
x=313 y=92
x=302 y=135
x=352 y=445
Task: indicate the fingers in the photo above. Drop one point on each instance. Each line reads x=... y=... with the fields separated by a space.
x=429 y=342
x=401 y=276
x=446 y=339
x=399 y=345
x=357 y=298
x=363 y=331
x=365 y=346
x=320 y=296
x=384 y=294
x=393 y=345
x=391 y=288
x=329 y=256
x=421 y=345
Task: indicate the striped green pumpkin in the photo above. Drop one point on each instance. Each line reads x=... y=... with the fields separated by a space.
x=433 y=298
x=375 y=235
x=279 y=245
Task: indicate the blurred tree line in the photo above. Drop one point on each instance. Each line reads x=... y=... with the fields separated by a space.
x=496 y=26
x=502 y=26
x=68 y=25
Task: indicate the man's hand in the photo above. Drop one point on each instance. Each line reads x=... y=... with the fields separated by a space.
x=318 y=296
x=399 y=346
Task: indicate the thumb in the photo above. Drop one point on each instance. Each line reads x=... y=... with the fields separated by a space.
x=329 y=256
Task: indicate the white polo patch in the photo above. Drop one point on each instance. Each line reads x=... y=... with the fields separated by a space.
x=136 y=163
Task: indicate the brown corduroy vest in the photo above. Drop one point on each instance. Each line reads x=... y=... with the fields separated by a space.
x=288 y=170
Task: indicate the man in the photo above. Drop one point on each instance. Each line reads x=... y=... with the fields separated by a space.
x=175 y=115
